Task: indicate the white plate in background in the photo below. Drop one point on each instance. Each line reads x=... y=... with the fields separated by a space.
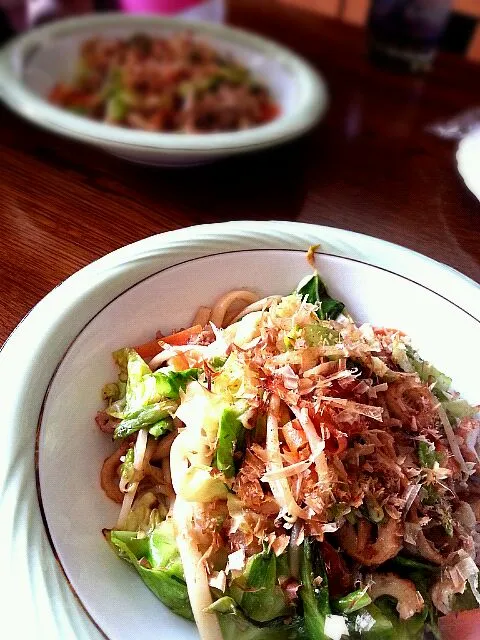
x=33 y=63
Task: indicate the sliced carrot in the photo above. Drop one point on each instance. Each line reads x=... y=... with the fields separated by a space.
x=290 y=457
x=179 y=362
x=148 y=349
x=182 y=337
x=294 y=436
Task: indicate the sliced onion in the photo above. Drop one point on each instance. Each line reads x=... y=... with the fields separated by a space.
x=409 y=496
x=286 y=472
x=126 y=505
x=452 y=440
x=139 y=449
x=280 y=488
x=195 y=573
x=317 y=444
x=138 y=459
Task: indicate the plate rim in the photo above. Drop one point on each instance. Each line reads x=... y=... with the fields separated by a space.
x=313 y=104
x=99 y=280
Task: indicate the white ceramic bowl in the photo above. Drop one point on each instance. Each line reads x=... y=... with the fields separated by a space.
x=33 y=63
x=468 y=161
x=54 y=364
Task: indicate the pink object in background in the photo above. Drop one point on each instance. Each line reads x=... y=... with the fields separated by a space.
x=157 y=6
x=212 y=10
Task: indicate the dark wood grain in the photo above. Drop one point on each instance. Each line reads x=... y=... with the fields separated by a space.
x=370 y=166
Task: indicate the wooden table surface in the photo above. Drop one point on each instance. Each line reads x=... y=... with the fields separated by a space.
x=371 y=166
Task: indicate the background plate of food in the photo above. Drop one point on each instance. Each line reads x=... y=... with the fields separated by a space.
x=54 y=366
x=159 y=90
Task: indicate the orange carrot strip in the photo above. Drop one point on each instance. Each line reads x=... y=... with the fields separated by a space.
x=293 y=437
x=179 y=362
x=148 y=349
x=182 y=337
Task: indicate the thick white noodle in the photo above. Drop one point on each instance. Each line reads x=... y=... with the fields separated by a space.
x=193 y=565
x=220 y=309
x=194 y=572
x=259 y=305
x=202 y=316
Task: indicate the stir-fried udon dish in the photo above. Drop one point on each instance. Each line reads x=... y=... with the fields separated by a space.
x=175 y=83
x=283 y=472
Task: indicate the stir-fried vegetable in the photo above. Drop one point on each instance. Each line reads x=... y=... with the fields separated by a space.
x=157 y=561
x=258 y=591
x=149 y=398
x=229 y=433
x=316 y=292
x=172 y=83
x=236 y=625
x=352 y=602
x=319 y=477
x=314 y=592
x=153 y=416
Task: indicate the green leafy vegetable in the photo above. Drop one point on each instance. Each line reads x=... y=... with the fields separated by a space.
x=427 y=456
x=444 y=510
x=140 y=388
x=429 y=495
x=144 y=387
x=257 y=590
x=464 y=601
x=200 y=486
x=148 y=399
x=458 y=409
x=315 y=598
x=230 y=431
x=151 y=415
x=352 y=602
x=157 y=561
x=160 y=428
x=410 y=629
x=423 y=575
x=370 y=623
x=127 y=467
x=411 y=564
x=236 y=626
x=112 y=392
x=317 y=293
x=216 y=363
x=116 y=108
x=113 y=84
x=429 y=374
x=320 y=334
x=169 y=384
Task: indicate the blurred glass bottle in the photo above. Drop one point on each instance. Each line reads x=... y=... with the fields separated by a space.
x=404 y=34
